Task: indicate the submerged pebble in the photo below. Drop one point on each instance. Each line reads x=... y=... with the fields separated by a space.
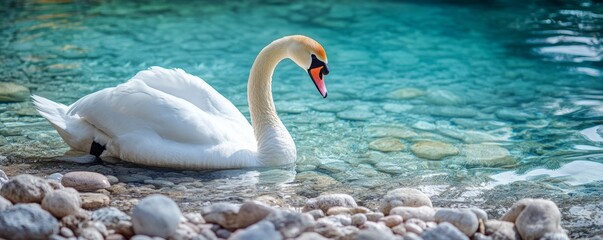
x=487 y=155
x=387 y=145
x=406 y=93
x=12 y=92
x=433 y=150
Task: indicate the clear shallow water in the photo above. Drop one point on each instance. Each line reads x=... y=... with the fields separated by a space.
x=515 y=87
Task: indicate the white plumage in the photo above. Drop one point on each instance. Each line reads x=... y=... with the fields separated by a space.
x=169 y=118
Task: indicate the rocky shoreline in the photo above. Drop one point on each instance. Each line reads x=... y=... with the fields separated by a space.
x=73 y=206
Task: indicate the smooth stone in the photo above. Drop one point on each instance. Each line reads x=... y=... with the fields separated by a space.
x=358 y=219
x=534 y=218
x=426 y=126
x=310 y=236
x=100 y=227
x=433 y=150
x=444 y=231
x=290 y=224
x=156 y=215
x=339 y=210
x=344 y=220
x=66 y=232
x=396 y=108
x=93 y=201
x=406 y=197
x=324 y=202
x=418 y=222
x=194 y=218
x=389 y=167
x=141 y=237
x=405 y=93
x=374 y=216
x=25 y=188
x=412 y=236
x=85 y=181
x=392 y=131
x=424 y=213
x=125 y=229
x=443 y=97
x=328 y=228
x=447 y=111
x=514 y=115
x=480 y=236
x=252 y=212
x=379 y=228
x=413 y=228
x=480 y=214
x=185 y=231
x=4 y=204
x=27 y=221
x=75 y=220
x=463 y=219
x=12 y=92
x=112 y=179
x=116 y=237
x=372 y=234
x=109 y=216
x=133 y=178
x=223 y=233
x=223 y=214
x=159 y=183
x=349 y=232
x=55 y=176
x=89 y=233
x=392 y=220
x=316 y=213
x=55 y=184
x=355 y=115
x=387 y=145
x=487 y=155
x=62 y=202
x=360 y=209
x=399 y=229
x=261 y=230
x=555 y=236
x=503 y=230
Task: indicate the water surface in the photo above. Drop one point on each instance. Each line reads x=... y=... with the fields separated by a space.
x=516 y=88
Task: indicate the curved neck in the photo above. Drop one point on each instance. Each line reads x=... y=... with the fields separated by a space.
x=275 y=145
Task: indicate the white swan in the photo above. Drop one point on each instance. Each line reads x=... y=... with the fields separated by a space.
x=168 y=118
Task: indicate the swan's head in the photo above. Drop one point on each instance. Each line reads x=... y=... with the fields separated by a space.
x=311 y=56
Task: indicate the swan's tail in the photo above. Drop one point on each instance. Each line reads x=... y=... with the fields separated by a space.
x=76 y=132
x=55 y=113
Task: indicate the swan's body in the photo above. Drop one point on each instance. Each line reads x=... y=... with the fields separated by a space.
x=168 y=118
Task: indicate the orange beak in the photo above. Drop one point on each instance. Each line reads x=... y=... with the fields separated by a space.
x=317 y=75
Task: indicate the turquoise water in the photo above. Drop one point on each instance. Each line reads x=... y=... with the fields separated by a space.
x=515 y=89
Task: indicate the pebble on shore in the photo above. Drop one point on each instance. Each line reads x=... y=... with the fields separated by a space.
x=404 y=213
